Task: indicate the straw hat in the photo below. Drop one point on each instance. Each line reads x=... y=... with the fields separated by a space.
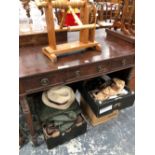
x=58 y=97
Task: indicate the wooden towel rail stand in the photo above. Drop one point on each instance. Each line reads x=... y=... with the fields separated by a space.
x=87 y=30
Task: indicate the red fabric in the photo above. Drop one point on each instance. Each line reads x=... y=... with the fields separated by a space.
x=70 y=20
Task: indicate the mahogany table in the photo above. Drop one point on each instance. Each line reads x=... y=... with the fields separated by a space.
x=37 y=73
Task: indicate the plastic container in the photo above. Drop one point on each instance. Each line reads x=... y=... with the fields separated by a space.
x=101 y=108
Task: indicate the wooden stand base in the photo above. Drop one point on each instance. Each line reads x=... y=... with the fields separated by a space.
x=68 y=48
x=92 y=117
x=121 y=35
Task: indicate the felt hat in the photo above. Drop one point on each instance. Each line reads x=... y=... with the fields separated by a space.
x=58 y=97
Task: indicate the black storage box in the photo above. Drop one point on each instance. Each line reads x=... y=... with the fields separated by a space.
x=109 y=105
x=66 y=136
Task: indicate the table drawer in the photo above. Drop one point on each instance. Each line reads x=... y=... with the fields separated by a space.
x=40 y=82
x=122 y=62
x=90 y=70
x=115 y=64
x=83 y=72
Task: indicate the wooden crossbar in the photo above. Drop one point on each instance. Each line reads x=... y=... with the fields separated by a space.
x=61 y=4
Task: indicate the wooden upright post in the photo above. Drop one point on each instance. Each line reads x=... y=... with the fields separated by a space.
x=84 y=15
x=50 y=25
x=92 y=31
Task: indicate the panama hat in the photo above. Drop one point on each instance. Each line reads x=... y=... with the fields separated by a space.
x=58 y=97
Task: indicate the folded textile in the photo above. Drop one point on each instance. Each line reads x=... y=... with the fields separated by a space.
x=62 y=119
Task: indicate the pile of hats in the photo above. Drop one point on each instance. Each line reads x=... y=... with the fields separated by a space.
x=60 y=112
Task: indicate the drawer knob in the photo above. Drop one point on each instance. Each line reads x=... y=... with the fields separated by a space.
x=99 y=68
x=124 y=62
x=44 y=81
x=77 y=73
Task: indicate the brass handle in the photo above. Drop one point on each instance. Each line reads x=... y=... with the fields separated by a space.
x=99 y=68
x=124 y=62
x=44 y=81
x=77 y=73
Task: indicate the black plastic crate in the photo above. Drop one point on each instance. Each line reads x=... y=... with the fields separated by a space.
x=65 y=136
x=109 y=105
x=36 y=101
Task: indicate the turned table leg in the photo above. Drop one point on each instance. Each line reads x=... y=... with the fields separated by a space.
x=28 y=118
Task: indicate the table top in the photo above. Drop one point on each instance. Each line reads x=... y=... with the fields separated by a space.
x=33 y=62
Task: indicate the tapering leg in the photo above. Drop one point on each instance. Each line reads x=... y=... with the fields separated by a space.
x=28 y=118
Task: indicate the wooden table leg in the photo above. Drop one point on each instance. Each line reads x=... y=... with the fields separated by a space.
x=131 y=83
x=28 y=118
